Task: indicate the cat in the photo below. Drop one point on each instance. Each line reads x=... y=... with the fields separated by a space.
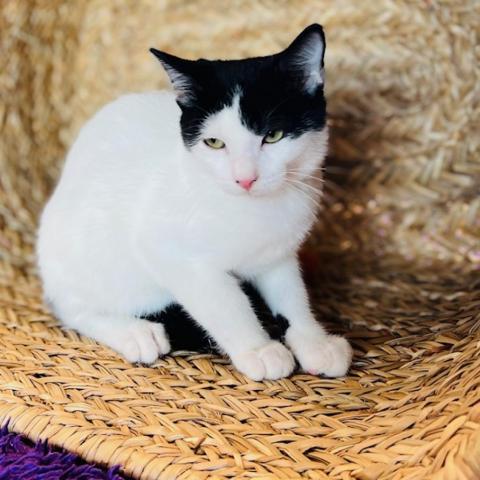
x=178 y=196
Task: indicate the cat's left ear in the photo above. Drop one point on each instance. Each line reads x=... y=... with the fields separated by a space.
x=180 y=73
x=304 y=57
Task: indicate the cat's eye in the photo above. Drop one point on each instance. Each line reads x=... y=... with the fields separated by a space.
x=273 y=136
x=215 y=143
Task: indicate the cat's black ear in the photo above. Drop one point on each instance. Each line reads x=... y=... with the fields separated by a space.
x=180 y=73
x=304 y=56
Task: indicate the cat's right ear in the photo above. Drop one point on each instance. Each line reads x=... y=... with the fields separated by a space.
x=304 y=57
x=179 y=72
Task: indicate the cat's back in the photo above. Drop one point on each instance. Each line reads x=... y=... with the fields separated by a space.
x=117 y=150
x=136 y=128
x=110 y=163
x=135 y=114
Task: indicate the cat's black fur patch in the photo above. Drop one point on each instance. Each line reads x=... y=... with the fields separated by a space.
x=185 y=334
x=272 y=89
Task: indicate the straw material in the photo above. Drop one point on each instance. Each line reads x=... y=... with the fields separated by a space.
x=395 y=260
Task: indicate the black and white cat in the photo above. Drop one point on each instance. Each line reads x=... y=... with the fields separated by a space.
x=174 y=197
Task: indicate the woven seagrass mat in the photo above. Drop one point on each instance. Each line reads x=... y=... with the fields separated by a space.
x=394 y=262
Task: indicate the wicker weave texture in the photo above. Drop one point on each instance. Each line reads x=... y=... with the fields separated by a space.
x=394 y=261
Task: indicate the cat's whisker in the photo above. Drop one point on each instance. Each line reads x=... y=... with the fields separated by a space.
x=308 y=177
x=303 y=185
x=316 y=202
x=312 y=169
x=300 y=173
x=306 y=185
x=325 y=197
x=320 y=169
x=327 y=186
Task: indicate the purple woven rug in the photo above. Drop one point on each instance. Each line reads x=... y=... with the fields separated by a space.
x=20 y=459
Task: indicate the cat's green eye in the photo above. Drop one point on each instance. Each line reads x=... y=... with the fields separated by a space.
x=273 y=136
x=215 y=143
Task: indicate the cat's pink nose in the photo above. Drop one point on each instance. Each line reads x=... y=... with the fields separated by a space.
x=247 y=183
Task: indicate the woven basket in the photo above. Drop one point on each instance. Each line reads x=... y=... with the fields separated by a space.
x=395 y=259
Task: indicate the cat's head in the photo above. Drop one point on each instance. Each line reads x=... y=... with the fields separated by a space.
x=259 y=124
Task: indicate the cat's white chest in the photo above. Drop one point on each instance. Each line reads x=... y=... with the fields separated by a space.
x=237 y=234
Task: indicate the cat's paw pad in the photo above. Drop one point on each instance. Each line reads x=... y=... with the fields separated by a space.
x=328 y=355
x=270 y=362
x=143 y=342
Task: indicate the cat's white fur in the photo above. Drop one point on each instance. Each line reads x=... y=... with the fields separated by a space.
x=137 y=222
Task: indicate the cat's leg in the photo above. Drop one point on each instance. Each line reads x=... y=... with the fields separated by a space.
x=216 y=301
x=136 y=339
x=318 y=352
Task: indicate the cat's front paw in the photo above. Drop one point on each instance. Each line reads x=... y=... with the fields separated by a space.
x=270 y=362
x=141 y=342
x=320 y=354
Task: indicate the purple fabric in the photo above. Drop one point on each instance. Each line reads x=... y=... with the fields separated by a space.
x=21 y=460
